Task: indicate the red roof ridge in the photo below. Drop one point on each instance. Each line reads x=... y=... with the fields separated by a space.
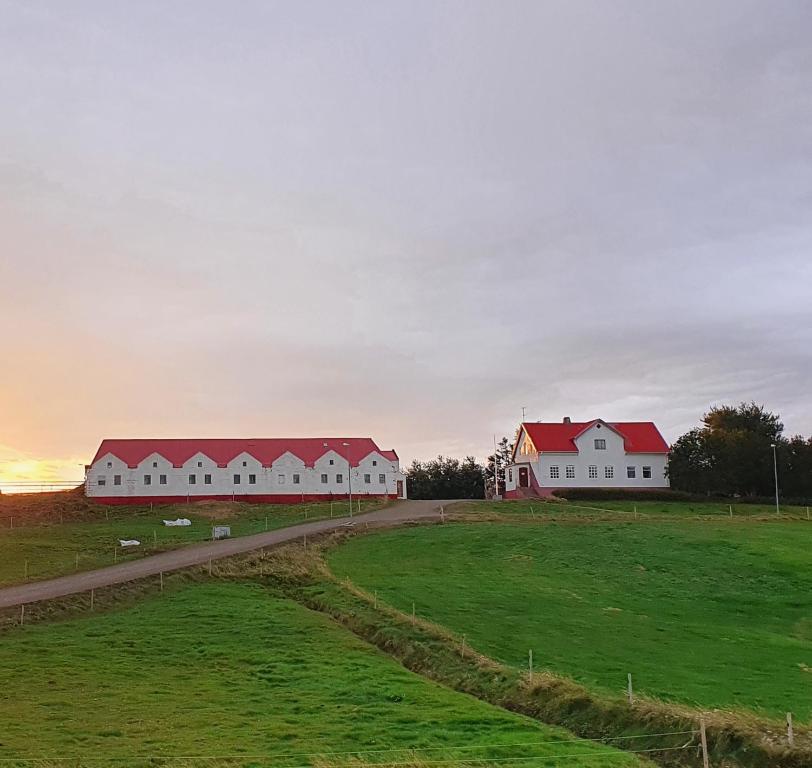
x=265 y=450
x=560 y=436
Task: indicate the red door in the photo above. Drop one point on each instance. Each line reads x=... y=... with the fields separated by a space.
x=524 y=480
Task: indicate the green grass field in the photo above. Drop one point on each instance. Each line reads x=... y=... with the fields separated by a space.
x=710 y=613
x=45 y=550
x=539 y=508
x=225 y=668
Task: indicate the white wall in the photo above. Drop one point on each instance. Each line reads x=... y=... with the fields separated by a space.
x=278 y=479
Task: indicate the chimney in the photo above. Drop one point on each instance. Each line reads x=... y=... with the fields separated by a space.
x=567 y=420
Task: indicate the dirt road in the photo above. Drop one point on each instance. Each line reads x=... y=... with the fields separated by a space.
x=199 y=554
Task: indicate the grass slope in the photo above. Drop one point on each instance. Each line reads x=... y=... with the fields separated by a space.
x=92 y=532
x=226 y=668
x=714 y=614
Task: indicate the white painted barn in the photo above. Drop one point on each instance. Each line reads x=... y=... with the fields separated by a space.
x=268 y=470
x=590 y=454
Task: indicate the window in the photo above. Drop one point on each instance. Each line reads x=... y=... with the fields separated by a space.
x=374 y=462
x=101 y=480
x=339 y=478
x=116 y=479
x=281 y=479
x=600 y=444
x=297 y=479
x=510 y=475
x=631 y=472
x=382 y=479
x=147 y=479
x=593 y=472
x=331 y=462
x=554 y=472
x=367 y=479
x=162 y=479
x=570 y=472
x=192 y=479
x=109 y=464
x=324 y=479
x=155 y=465
x=252 y=479
x=647 y=472
x=199 y=463
x=608 y=472
x=207 y=479
x=236 y=479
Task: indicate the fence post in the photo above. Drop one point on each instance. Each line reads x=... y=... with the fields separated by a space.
x=331 y=509
x=462 y=649
x=115 y=554
x=530 y=665
x=414 y=614
x=22 y=614
x=630 y=692
x=266 y=522
x=162 y=581
x=92 y=598
x=26 y=570
x=375 y=599
x=704 y=741
x=77 y=561
x=731 y=510
x=790 y=734
x=442 y=514
x=209 y=566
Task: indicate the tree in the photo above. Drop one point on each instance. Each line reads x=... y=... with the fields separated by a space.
x=731 y=454
x=504 y=454
x=446 y=478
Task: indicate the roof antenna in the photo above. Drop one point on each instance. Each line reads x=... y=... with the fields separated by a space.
x=523 y=410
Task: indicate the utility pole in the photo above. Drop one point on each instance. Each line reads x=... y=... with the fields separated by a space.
x=775 y=472
x=495 y=469
x=349 y=473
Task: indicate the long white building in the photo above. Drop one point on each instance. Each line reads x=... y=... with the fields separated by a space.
x=269 y=470
x=591 y=454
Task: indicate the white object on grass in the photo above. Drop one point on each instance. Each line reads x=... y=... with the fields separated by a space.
x=129 y=542
x=179 y=521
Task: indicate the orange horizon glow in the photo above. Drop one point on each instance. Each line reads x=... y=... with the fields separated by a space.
x=25 y=474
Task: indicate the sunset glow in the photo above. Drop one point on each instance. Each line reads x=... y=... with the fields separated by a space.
x=22 y=474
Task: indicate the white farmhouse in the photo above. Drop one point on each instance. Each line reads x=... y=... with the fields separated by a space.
x=591 y=454
x=268 y=470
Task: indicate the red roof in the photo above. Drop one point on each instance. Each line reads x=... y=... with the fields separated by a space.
x=559 y=437
x=222 y=451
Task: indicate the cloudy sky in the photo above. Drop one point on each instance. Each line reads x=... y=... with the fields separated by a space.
x=406 y=220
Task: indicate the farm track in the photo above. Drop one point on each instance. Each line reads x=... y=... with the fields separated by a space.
x=397 y=514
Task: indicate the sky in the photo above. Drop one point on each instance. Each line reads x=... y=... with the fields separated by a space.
x=404 y=220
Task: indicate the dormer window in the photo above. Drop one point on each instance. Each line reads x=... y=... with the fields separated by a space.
x=331 y=462
x=600 y=444
x=109 y=464
x=155 y=465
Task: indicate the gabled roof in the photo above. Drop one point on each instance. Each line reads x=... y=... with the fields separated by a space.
x=559 y=437
x=224 y=450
